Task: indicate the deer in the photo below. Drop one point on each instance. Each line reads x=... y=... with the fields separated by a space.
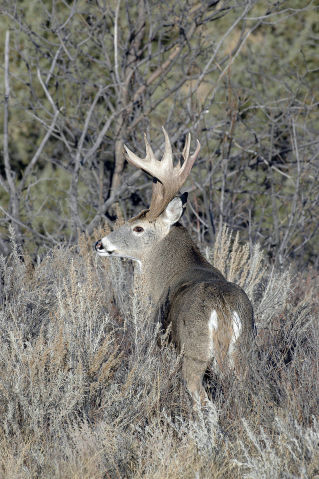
x=210 y=318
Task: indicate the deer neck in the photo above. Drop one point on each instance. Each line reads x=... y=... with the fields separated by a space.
x=176 y=259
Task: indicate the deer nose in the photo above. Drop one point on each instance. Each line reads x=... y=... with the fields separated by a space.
x=99 y=245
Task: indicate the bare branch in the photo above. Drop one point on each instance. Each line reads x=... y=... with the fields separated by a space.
x=37 y=153
x=159 y=71
x=293 y=210
x=219 y=44
x=116 y=65
x=23 y=225
x=52 y=67
x=100 y=137
x=75 y=175
x=8 y=170
x=14 y=200
x=110 y=201
x=49 y=97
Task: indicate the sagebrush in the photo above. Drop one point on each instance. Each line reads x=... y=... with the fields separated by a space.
x=88 y=389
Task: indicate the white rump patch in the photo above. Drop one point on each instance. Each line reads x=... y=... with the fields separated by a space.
x=236 y=327
x=212 y=327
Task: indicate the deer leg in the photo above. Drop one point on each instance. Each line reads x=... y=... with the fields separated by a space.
x=193 y=372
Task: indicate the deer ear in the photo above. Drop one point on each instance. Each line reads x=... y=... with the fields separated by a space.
x=173 y=210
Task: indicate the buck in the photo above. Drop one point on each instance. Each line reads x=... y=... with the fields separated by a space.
x=209 y=316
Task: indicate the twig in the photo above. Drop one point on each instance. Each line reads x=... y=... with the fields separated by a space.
x=64 y=47
x=108 y=203
x=293 y=211
x=218 y=46
x=6 y=116
x=101 y=135
x=73 y=192
x=53 y=65
x=37 y=153
x=161 y=69
x=86 y=126
x=14 y=200
x=49 y=97
x=116 y=65
x=23 y=225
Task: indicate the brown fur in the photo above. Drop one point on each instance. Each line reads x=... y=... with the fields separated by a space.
x=185 y=289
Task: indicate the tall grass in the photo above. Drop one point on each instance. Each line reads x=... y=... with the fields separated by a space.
x=87 y=389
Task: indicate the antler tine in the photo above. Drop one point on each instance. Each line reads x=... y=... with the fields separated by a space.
x=148 y=164
x=149 y=152
x=172 y=178
x=187 y=147
x=188 y=160
x=134 y=159
x=169 y=178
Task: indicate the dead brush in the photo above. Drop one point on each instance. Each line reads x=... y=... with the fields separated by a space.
x=236 y=262
x=85 y=395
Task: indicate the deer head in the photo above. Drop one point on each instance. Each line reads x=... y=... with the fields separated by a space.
x=139 y=234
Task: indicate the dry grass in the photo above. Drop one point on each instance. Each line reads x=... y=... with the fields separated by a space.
x=86 y=391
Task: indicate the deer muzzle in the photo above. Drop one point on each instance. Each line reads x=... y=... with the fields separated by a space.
x=102 y=250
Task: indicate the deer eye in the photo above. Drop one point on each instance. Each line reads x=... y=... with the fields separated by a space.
x=138 y=229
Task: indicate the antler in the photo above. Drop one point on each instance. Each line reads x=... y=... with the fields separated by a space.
x=167 y=178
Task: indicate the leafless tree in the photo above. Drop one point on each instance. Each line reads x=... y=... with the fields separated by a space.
x=88 y=77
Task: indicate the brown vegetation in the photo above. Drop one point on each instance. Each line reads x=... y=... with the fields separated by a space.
x=86 y=391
